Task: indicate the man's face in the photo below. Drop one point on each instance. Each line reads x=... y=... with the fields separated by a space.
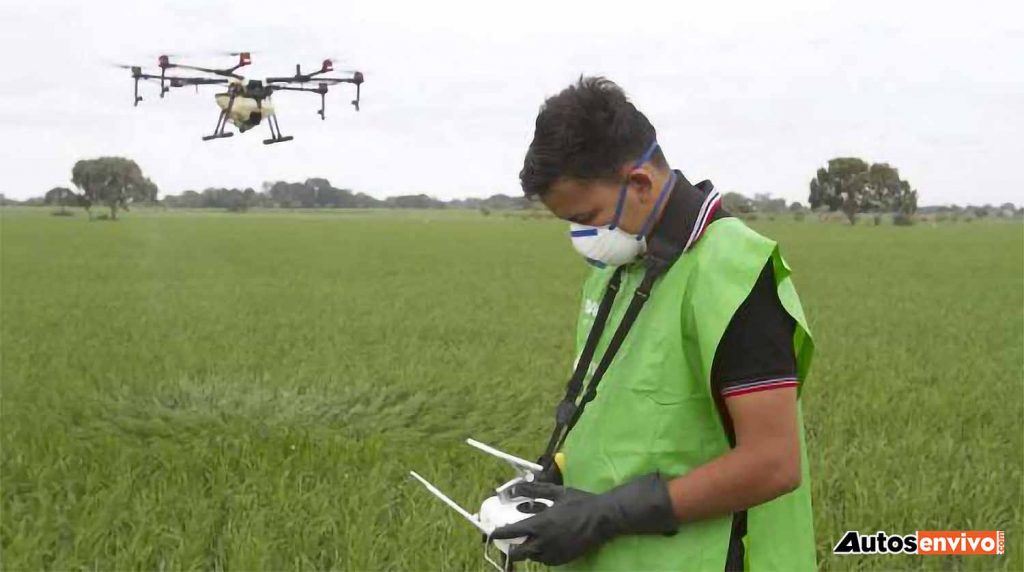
x=592 y=202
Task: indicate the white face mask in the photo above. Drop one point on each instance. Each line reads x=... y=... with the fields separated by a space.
x=609 y=245
x=606 y=246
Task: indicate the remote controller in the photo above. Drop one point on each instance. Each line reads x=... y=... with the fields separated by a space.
x=500 y=509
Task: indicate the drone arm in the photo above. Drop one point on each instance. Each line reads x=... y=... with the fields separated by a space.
x=321 y=90
x=356 y=80
x=341 y=80
x=223 y=73
x=289 y=88
x=310 y=78
x=183 y=81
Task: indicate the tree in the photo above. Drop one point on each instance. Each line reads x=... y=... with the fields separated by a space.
x=763 y=202
x=420 y=201
x=839 y=185
x=113 y=181
x=62 y=196
x=292 y=195
x=736 y=203
x=503 y=202
x=885 y=191
x=852 y=185
x=326 y=195
x=191 y=199
x=249 y=198
x=365 y=201
x=906 y=202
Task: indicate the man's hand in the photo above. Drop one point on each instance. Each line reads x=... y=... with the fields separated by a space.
x=580 y=521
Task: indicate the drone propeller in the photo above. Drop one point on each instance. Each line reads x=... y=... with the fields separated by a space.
x=155 y=56
x=121 y=66
x=335 y=61
x=244 y=58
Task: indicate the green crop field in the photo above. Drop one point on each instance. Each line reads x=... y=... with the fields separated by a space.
x=247 y=392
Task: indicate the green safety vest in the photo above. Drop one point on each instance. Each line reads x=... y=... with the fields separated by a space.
x=655 y=411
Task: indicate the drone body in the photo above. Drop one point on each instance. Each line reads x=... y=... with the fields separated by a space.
x=244 y=112
x=246 y=103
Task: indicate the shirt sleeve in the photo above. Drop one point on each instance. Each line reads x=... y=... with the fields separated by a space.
x=756 y=351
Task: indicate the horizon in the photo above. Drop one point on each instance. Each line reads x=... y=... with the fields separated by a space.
x=161 y=196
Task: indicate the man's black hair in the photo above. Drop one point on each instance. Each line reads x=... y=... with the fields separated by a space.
x=588 y=131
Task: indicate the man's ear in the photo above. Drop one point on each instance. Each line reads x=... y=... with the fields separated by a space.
x=643 y=183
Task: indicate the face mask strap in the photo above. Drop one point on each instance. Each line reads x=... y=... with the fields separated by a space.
x=622 y=192
x=665 y=190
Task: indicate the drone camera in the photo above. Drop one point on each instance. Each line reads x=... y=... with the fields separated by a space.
x=327 y=66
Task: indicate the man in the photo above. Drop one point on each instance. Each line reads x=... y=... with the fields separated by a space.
x=687 y=453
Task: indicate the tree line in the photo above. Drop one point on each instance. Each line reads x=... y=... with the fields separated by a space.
x=318 y=192
x=846 y=184
x=117 y=182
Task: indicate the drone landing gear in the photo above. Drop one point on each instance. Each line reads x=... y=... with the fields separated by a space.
x=222 y=121
x=218 y=136
x=275 y=132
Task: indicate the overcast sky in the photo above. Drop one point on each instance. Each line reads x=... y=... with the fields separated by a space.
x=754 y=95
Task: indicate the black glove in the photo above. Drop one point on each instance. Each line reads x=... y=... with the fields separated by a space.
x=580 y=521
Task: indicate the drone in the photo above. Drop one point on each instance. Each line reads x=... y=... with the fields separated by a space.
x=246 y=103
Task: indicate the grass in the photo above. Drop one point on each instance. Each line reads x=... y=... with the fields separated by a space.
x=217 y=391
